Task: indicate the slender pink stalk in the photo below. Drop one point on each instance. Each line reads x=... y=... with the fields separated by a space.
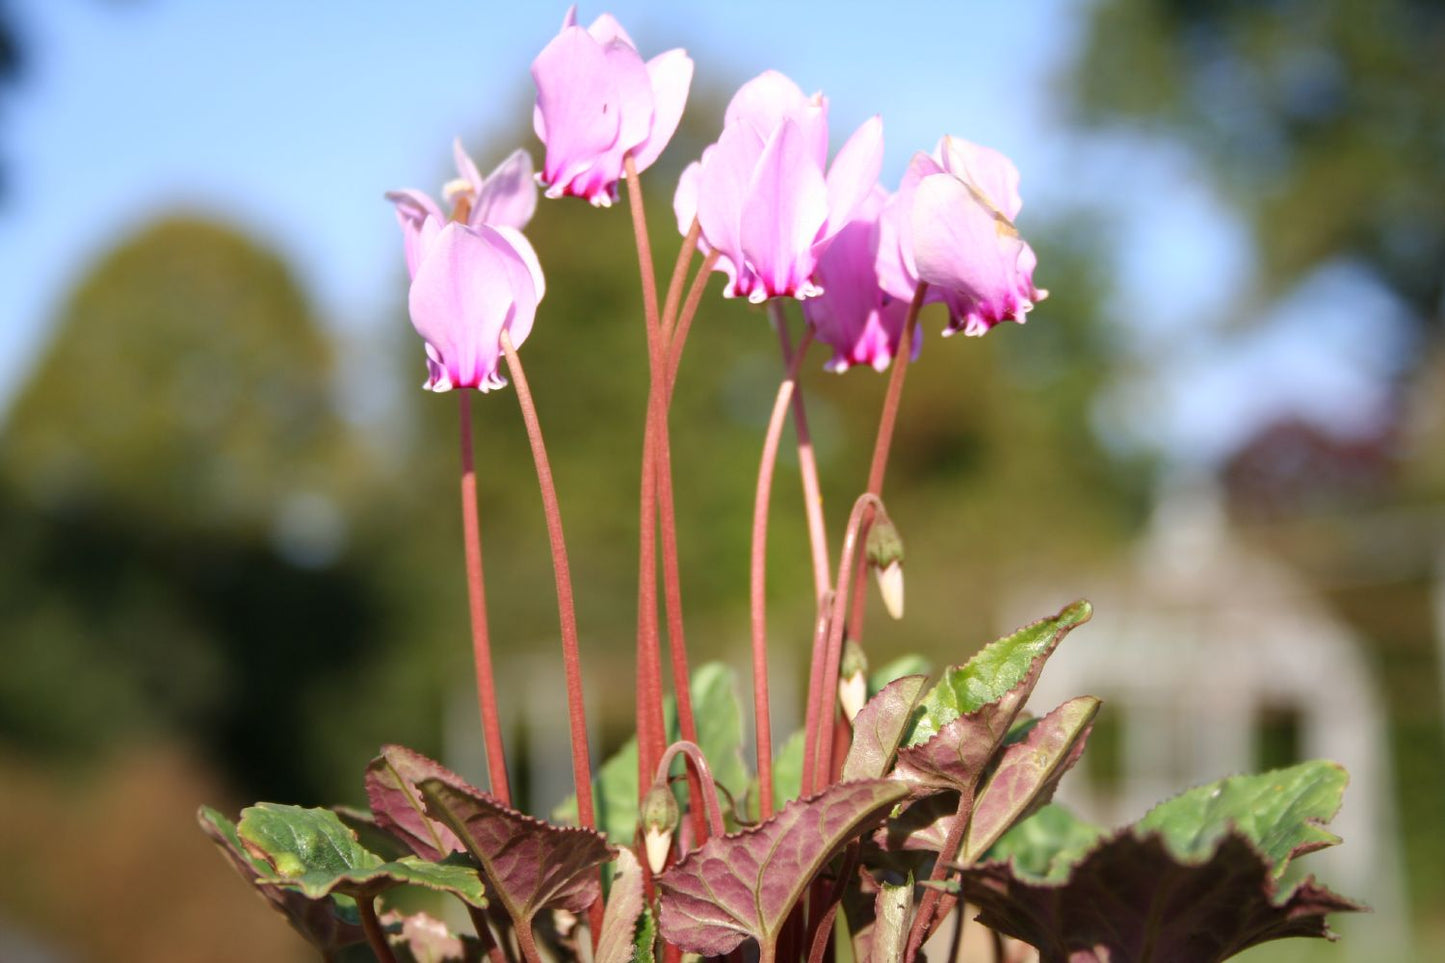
x=807 y=465
x=651 y=739
x=758 y=580
x=815 y=692
x=693 y=753
x=679 y=275
x=821 y=736
x=566 y=608
x=684 y=320
x=644 y=248
x=477 y=601
x=886 y=423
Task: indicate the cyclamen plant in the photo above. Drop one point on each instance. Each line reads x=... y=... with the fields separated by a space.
x=906 y=798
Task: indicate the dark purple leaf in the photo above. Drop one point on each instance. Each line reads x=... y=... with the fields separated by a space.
x=527 y=863
x=744 y=885
x=1130 y=900
x=391 y=788
x=879 y=727
x=1028 y=772
x=329 y=923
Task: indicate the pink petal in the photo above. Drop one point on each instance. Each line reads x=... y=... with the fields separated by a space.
x=988 y=171
x=577 y=102
x=971 y=253
x=468 y=286
x=508 y=197
x=785 y=208
x=420 y=220
x=528 y=254
x=684 y=201
x=569 y=19
x=722 y=182
x=606 y=29
x=854 y=172
x=670 y=75
x=466 y=167
x=764 y=102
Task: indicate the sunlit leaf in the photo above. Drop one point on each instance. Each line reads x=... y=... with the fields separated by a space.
x=313 y=852
x=1002 y=674
x=328 y=923
x=1195 y=881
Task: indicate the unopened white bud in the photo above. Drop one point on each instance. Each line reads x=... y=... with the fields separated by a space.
x=890 y=584
x=852 y=694
x=657 y=842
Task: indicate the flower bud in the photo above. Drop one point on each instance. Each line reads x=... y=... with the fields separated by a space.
x=660 y=816
x=852 y=680
x=885 y=557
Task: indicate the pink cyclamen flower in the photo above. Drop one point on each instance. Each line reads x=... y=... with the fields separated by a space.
x=472 y=276
x=861 y=322
x=597 y=101
x=951 y=226
x=764 y=195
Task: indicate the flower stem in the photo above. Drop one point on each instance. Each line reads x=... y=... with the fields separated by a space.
x=684 y=320
x=571 y=659
x=477 y=600
x=886 y=423
x=371 y=926
x=923 y=920
x=679 y=275
x=807 y=465
x=758 y=580
x=819 y=736
x=693 y=753
x=644 y=247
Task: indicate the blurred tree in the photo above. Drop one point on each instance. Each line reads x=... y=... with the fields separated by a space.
x=174 y=484
x=1322 y=120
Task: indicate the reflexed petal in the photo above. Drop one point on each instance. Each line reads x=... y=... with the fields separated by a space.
x=784 y=210
x=684 y=201
x=464 y=291
x=466 y=167
x=972 y=255
x=670 y=75
x=854 y=172
x=986 y=169
x=578 y=103
x=722 y=184
x=508 y=197
x=528 y=254
x=420 y=221
x=606 y=29
x=770 y=98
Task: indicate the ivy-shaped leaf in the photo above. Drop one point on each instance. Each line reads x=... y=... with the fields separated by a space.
x=529 y=864
x=329 y=923
x=313 y=852
x=1281 y=813
x=879 y=727
x=624 y=907
x=1027 y=773
x=1195 y=881
x=1002 y=675
x=744 y=884
x=391 y=788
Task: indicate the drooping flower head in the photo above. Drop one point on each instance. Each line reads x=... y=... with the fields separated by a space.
x=764 y=195
x=597 y=101
x=473 y=275
x=853 y=315
x=951 y=225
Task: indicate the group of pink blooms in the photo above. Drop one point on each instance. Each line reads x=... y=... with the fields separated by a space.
x=783 y=221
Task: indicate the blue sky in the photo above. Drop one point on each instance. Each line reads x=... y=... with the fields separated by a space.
x=291 y=119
